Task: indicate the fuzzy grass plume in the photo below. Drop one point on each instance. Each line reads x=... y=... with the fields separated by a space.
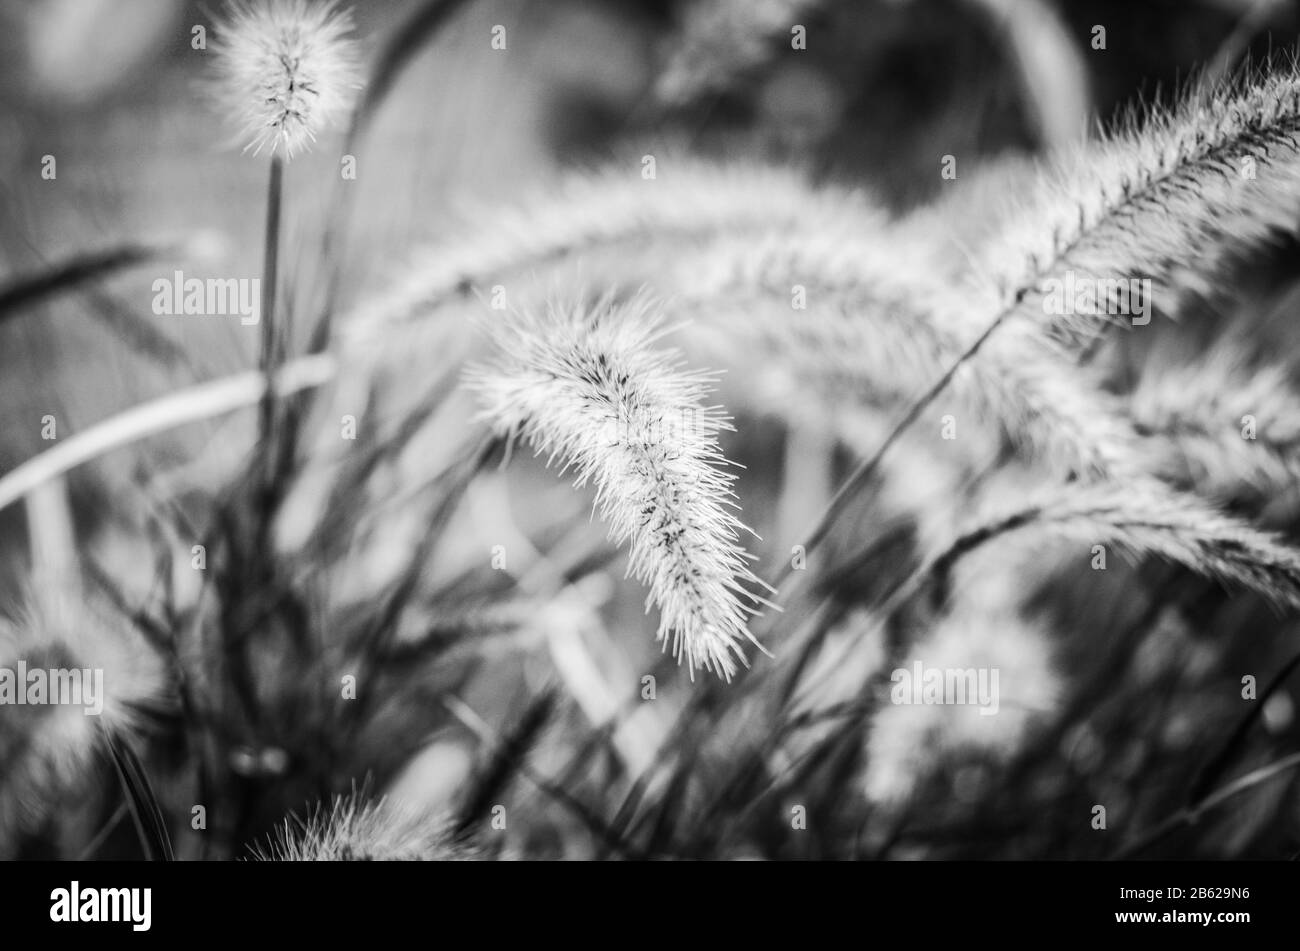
x=1171 y=200
x=1172 y=197
x=690 y=200
x=1225 y=425
x=48 y=751
x=285 y=71
x=1146 y=518
x=586 y=387
x=728 y=244
x=875 y=326
x=355 y=830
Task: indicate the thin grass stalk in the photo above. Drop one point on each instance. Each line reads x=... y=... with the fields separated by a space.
x=1190 y=814
x=269 y=356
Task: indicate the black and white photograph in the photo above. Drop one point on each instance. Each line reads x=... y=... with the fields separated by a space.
x=639 y=431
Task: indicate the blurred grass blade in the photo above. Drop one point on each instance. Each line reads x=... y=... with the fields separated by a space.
x=1214 y=768
x=203 y=401
x=149 y=824
x=506 y=760
x=27 y=289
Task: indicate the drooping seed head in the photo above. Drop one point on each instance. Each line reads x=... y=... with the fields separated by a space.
x=588 y=387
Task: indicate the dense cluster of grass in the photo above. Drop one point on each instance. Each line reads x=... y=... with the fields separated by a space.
x=1059 y=498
